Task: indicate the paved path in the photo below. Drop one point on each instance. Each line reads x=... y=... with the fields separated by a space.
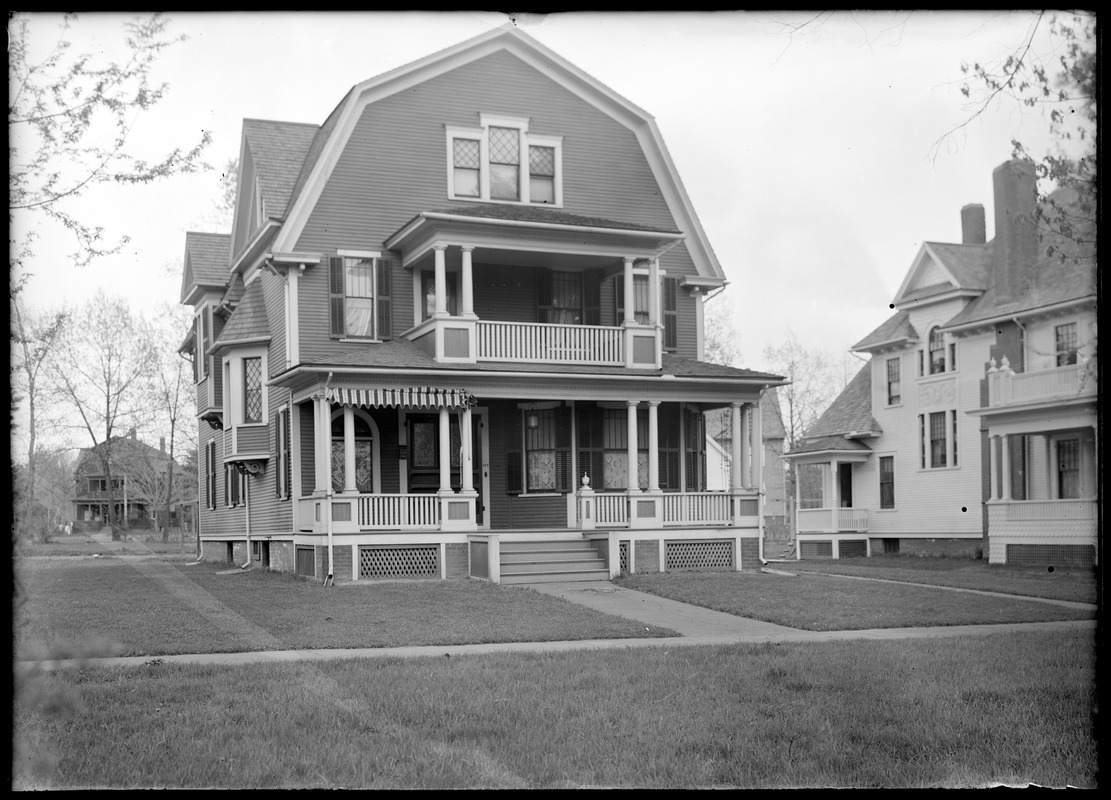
x=696 y=626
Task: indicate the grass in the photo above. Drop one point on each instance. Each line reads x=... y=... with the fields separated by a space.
x=960 y=712
x=144 y=607
x=819 y=602
x=1011 y=708
x=1059 y=583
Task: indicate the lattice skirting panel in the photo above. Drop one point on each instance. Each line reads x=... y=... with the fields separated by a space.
x=1055 y=555
x=853 y=549
x=623 y=549
x=815 y=549
x=399 y=562
x=699 y=555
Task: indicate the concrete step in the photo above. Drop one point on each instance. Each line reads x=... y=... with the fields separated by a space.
x=518 y=556
x=552 y=544
x=555 y=577
x=552 y=566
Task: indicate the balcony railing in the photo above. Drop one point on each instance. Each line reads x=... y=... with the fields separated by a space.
x=550 y=343
x=832 y=520
x=1007 y=388
x=1041 y=510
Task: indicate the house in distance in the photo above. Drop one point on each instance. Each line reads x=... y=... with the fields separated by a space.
x=456 y=330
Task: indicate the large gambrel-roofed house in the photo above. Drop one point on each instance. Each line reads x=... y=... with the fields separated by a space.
x=485 y=241
x=975 y=425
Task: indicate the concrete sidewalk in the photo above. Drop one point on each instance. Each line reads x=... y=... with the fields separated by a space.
x=696 y=627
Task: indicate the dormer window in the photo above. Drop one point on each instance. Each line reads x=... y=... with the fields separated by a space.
x=502 y=162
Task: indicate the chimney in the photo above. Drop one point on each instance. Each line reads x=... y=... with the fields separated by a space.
x=973 y=230
x=1015 y=253
x=162 y=443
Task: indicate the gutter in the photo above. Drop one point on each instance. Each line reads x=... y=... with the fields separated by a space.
x=247 y=518
x=330 y=578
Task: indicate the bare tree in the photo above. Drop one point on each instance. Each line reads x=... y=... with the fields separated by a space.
x=34 y=336
x=722 y=342
x=814 y=383
x=70 y=116
x=97 y=372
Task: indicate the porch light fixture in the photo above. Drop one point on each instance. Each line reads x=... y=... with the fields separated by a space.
x=532 y=419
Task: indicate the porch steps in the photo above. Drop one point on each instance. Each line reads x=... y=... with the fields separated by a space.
x=551 y=562
x=779 y=550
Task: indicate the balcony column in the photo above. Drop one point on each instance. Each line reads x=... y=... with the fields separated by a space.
x=441 y=281
x=1054 y=480
x=631 y=447
x=993 y=467
x=653 y=446
x=466 y=468
x=348 y=450
x=1005 y=493
x=445 y=451
x=736 y=474
x=654 y=291
x=467 y=289
x=630 y=300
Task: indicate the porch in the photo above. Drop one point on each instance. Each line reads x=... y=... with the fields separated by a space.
x=1062 y=531
x=832 y=520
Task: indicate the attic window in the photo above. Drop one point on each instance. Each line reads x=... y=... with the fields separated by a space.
x=502 y=162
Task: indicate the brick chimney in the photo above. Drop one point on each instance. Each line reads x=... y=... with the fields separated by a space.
x=1015 y=252
x=973 y=224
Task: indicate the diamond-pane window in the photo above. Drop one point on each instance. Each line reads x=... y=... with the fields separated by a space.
x=252 y=390
x=541 y=161
x=504 y=146
x=467 y=154
x=467 y=166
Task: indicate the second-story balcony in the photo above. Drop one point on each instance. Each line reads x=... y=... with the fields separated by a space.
x=546 y=342
x=1071 y=381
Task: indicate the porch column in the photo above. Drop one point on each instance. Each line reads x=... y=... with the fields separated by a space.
x=746 y=446
x=653 y=291
x=630 y=301
x=631 y=445
x=441 y=281
x=755 y=447
x=322 y=439
x=466 y=468
x=1054 y=482
x=736 y=477
x=1005 y=493
x=993 y=467
x=348 y=450
x=653 y=446
x=467 y=288
x=445 y=452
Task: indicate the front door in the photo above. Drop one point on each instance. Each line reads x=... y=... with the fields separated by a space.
x=845 y=476
x=424 y=456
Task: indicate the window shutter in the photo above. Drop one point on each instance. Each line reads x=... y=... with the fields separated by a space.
x=592 y=298
x=564 y=479
x=285 y=452
x=227 y=496
x=591 y=455
x=385 y=319
x=207 y=481
x=671 y=316
x=336 y=296
x=514 y=475
x=544 y=296
x=277 y=428
x=695 y=453
x=212 y=474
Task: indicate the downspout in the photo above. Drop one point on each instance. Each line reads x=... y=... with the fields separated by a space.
x=330 y=580
x=247 y=512
x=760 y=482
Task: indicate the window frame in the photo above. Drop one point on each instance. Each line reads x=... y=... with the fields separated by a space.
x=526 y=141
x=1071 y=341
x=947 y=426
x=895 y=398
x=936 y=351
x=381 y=297
x=885 y=504
x=235 y=389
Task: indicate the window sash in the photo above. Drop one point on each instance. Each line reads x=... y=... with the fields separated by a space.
x=894 y=384
x=937 y=439
x=1065 y=337
x=937 y=352
x=887 y=481
x=252 y=389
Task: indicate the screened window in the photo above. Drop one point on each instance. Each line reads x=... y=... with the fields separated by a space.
x=894 y=385
x=467 y=164
x=567 y=298
x=252 y=390
x=937 y=351
x=358 y=291
x=1066 y=338
x=887 y=481
x=541 y=174
x=505 y=164
x=1068 y=468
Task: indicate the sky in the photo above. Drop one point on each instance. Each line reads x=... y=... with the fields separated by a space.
x=817 y=158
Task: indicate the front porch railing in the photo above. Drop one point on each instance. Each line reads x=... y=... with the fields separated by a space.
x=709 y=508
x=613 y=510
x=1042 y=510
x=831 y=520
x=391 y=511
x=549 y=343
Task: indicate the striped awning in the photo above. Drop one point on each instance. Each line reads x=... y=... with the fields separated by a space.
x=408 y=397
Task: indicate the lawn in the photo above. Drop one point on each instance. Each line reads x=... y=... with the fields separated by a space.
x=956 y=712
x=824 y=602
x=1014 y=708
